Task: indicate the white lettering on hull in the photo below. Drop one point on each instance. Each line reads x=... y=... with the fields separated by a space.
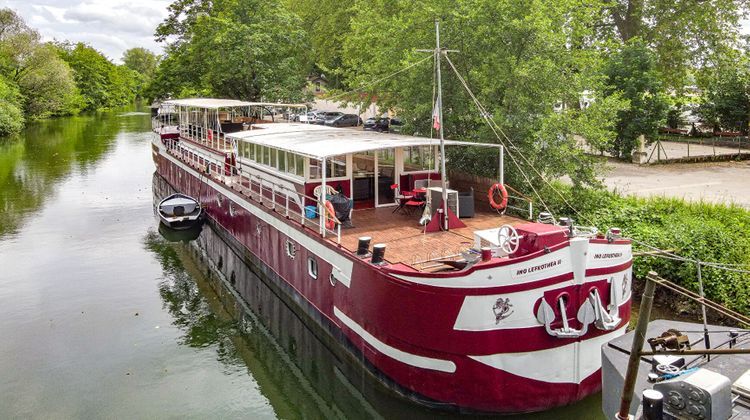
x=543 y=267
x=392 y=352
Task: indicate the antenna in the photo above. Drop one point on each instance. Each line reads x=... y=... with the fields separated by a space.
x=437 y=116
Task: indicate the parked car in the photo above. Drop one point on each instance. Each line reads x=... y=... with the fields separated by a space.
x=395 y=125
x=310 y=117
x=323 y=117
x=383 y=124
x=345 y=120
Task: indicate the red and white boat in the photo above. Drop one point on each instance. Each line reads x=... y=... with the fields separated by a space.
x=495 y=314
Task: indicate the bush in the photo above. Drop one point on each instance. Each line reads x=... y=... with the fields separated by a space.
x=11 y=116
x=700 y=231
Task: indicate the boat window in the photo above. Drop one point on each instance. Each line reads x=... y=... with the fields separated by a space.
x=267 y=156
x=251 y=151
x=290 y=161
x=315 y=169
x=273 y=161
x=291 y=250
x=312 y=267
x=299 y=165
x=282 y=161
x=336 y=166
x=419 y=158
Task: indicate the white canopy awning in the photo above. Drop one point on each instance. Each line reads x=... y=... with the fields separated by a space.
x=213 y=103
x=319 y=141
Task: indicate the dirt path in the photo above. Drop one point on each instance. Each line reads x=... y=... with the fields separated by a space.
x=722 y=182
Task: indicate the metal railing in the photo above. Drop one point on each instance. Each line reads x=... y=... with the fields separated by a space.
x=529 y=206
x=276 y=197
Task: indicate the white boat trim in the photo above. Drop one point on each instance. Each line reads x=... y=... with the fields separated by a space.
x=544 y=365
x=394 y=353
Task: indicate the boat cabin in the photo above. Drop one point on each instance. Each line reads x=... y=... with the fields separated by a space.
x=384 y=185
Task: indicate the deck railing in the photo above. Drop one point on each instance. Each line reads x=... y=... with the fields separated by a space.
x=267 y=193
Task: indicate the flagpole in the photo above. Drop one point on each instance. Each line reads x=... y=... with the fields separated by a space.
x=439 y=53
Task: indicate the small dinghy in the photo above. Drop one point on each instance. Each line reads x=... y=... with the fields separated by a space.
x=179 y=211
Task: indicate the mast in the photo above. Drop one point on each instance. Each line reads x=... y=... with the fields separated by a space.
x=438 y=54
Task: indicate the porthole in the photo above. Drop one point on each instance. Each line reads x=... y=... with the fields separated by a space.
x=291 y=249
x=220 y=264
x=232 y=278
x=332 y=279
x=219 y=199
x=232 y=210
x=312 y=267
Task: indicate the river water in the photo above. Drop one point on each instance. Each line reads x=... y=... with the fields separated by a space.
x=102 y=317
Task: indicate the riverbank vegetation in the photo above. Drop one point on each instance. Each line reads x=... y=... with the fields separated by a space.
x=715 y=233
x=549 y=73
x=46 y=79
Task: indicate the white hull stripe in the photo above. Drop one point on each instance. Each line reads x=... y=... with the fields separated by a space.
x=477 y=313
x=556 y=263
x=392 y=352
x=571 y=363
x=342 y=266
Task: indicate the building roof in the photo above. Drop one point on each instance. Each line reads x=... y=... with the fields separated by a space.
x=318 y=141
x=213 y=103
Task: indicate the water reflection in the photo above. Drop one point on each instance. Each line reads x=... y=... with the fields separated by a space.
x=46 y=152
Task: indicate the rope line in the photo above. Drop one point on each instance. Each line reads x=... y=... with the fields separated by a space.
x=495 y=128
x=362 y=87
x=483 y=112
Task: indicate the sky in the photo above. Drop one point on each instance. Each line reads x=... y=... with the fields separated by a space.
x=110 y=26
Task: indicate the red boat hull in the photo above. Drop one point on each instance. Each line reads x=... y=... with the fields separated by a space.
x=437 y=339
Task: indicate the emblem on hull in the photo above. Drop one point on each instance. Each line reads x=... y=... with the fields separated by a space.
x=502 y=309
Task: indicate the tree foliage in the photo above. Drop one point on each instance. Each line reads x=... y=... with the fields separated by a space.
x=518 y=59
x=11 y=116
x=682 y=33
x=632 y=73
x=101 y=83
x=726 y=86
x=245 y=49
x=43 y=80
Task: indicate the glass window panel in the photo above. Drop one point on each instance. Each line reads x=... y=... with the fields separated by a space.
x=299 y=165
x=274 y=161
x=282 y=161
x=336 y=166
x=315 y=170
x=419 y=158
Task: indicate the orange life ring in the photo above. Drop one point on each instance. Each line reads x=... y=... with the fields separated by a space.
x=331 y=219
x=491 y=196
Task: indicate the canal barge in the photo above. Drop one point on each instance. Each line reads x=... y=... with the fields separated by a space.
x=489 y=313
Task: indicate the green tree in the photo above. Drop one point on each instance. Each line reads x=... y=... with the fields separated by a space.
x=726 y=97
x=45 y=81
x=632 y=73
x=11 y=116
x=102 y=83
x=682 y=33
x=246 y=49
x=327 y=26
x=519 y=60
x=140 y=60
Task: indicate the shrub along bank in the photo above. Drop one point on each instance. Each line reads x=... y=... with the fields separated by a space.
x=700 y=231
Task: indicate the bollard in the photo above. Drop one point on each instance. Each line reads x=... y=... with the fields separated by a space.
x=363 y=246
x=653 y=405
x=378 y=254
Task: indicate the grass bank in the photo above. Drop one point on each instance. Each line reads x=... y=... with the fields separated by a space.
x=700 y=231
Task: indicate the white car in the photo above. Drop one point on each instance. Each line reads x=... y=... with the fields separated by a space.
x=310 y=117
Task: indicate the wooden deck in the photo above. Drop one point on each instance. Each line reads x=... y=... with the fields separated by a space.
x=405 y=239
